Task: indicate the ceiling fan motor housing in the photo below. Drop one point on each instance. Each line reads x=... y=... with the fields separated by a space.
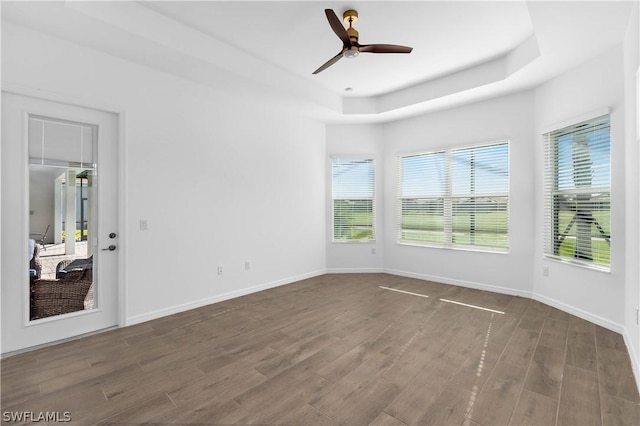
x=350 y=17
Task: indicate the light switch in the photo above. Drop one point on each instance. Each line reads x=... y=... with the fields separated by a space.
x=144 y=225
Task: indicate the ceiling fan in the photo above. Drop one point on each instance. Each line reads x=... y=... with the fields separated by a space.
x=350 y=46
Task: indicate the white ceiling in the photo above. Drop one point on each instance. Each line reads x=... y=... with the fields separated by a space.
x=296 y=36
x=463 y=51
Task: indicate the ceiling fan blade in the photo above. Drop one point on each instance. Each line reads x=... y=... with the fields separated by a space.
x=338 y=28
x=329 y=63
x=384 y=48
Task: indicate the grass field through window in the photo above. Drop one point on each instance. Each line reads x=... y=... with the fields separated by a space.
x=353 y=220
x=490 y=228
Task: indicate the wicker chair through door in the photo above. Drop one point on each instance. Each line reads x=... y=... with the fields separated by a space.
x=56 y=297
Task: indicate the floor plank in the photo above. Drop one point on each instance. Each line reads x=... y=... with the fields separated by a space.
x=615 y=380
x=619 y=412
x=449 y=408
x=580 y=399
x=521 y=348
x=581 y=344
x=534 y=410
x=554 y=333
x=545 y=373
x=385 y=419
x=414 y=400
x=496 y=400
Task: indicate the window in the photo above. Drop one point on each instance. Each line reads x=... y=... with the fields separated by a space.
x=578 y=193
x=353 y=194
x=456 y=198
x=423 y=187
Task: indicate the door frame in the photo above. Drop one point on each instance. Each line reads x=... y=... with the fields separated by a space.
x=120 y=304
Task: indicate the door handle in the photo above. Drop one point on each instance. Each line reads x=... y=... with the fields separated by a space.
x=112 y=247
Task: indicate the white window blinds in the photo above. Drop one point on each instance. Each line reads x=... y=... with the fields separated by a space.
x=458 y=197
x=423 y=183
x=578 y=192
x=60 y=143
x=353 y=194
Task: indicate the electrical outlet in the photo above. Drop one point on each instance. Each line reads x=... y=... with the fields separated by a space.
x=545 y=271
x=373 y=250
x=247 y=265
x=144 y=225
x=220 y=269
x=637 y=316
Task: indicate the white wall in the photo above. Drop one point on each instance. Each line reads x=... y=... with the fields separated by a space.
x=509 y=118
x=220 y=177
x=356 y=140
x=597 y=84
x=632 y=194
x=230 y=183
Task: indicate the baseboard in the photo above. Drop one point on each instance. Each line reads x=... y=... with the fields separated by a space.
x=55 y=342
x=461 y=283
x=355 y=270
x=587 y=316
x=603 y=322
x=137 y=319
x=634 y=357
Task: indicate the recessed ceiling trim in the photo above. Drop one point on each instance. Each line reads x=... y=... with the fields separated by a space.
x=467 y=79
x=179 y=39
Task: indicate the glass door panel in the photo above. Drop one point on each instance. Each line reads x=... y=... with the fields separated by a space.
x=61 y=205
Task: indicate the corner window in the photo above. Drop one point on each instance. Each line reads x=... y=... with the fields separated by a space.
x=577 y=183
x=353 y=195
x=456 y=198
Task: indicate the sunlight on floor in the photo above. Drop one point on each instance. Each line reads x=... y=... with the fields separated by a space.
x=472 y=306
x=405 y=292
x=444 y=300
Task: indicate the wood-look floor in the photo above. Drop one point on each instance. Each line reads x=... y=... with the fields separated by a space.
x=338 y=349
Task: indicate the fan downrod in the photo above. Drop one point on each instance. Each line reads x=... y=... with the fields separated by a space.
x=350 y=17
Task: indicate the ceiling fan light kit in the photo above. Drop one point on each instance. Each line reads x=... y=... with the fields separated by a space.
x=349 y=37
x=352 y=52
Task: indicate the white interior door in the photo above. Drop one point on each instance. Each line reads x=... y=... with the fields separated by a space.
x=59 y=168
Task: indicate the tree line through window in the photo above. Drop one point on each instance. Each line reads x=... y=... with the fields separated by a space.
x=456 y=197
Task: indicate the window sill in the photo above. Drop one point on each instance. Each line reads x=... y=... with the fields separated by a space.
x=579 y=264
x=353 y=241
x=477 y=249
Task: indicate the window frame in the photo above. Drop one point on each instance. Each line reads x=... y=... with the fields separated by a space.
x=449 y=200
x=354 y=157
x=551 y=190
